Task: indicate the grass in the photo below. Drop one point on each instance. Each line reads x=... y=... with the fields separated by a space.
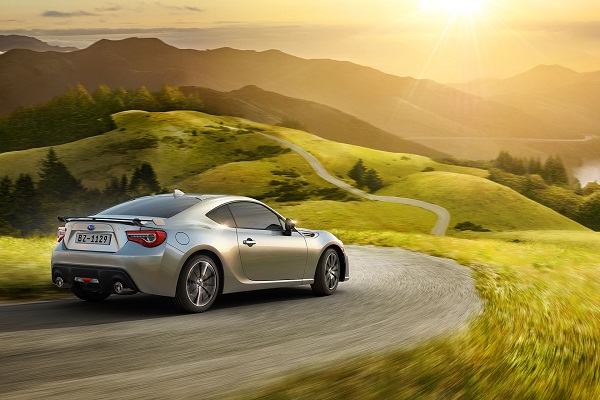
x=359 y=215
x=197 y=152
x=537 y=337
x=464 y=192
x=481 y=201
x=25 y=268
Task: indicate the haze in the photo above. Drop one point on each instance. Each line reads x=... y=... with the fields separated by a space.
x=415 y=38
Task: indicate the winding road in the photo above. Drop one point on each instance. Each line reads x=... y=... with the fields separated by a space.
x=139 y=347
x=443 y=215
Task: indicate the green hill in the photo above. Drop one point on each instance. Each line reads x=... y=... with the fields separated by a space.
x=463 y=191
x=197 y=152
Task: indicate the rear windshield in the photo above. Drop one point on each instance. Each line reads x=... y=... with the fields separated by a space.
x=157 y=207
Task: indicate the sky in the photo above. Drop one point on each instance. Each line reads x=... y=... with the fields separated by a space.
x=444 y=40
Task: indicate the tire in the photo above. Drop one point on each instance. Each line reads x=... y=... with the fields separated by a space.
x=88 y=295
x=327 y=275
x=198 y=284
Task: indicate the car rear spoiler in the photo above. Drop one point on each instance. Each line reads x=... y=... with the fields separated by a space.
x=125 y=221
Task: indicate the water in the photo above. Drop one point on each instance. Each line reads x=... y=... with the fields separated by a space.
x=588 y=172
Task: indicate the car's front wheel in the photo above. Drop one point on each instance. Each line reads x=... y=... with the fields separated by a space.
x=88 y=295
x=327 y=275
x=198 y=284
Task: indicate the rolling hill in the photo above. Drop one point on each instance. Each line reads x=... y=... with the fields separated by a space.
x=256 y=104
x=197 y=152
x=403 y=106
x=10 y=42
x=551 y=93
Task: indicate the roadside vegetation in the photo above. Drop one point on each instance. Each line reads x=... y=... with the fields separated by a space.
x=537 y=337
x=546 y=183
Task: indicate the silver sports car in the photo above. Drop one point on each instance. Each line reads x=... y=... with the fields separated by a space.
x=192 y=248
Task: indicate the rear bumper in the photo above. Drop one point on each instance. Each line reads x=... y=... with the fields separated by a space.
x=152 y=271
x=102 y=279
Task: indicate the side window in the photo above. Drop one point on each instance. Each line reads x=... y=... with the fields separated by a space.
x=222 y=215
x=254 y=216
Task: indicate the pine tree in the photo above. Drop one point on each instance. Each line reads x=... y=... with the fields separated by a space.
x=141 y=99
x=554 y=171
x=56 y=182
x=172 y=98
x=372 y=180
x=6 y=203
x=144 y=181
x=504 y=161
x=358 y=172
x=26 y=206
x=534 y=166
x=589 y=212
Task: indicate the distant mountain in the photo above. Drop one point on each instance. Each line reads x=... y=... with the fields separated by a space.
x=539 y=79
x=271 y=108
x=10 y=42
x=403 y=106
x=551 y=93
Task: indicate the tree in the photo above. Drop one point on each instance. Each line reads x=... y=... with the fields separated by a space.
x=6 y=200
x=534 y=166
x=508 y=163
x=358 y=172
x=143 y=181
x=56 y=182
x=141 y=99
x=589 y=212
x=554 y=171
x=372 y=180
x=26 y=206
x=590 y=188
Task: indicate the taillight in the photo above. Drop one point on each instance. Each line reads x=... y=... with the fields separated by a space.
x=147 y=238
x=60 y=234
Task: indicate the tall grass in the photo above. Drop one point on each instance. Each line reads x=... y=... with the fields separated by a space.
x=25 y=268
x=538 y=337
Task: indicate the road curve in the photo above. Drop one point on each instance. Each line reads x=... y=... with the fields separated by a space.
x=132 y=347
x=443 y=215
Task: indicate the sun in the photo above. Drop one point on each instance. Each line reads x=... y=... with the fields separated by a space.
x=454 y=7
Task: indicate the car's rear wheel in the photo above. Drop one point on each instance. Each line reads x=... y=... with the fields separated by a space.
x=198 y=284
x=88 y=295
x=327 y=275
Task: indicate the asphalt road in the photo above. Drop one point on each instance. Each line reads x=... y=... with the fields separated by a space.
x=140 y=347
x=443 y=215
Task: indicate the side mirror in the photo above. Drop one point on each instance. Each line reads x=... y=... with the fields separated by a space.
x=290 y=224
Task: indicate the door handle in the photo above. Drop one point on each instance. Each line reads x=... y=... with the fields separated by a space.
x=249 y=242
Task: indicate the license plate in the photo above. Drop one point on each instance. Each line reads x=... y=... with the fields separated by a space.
x=93 y=238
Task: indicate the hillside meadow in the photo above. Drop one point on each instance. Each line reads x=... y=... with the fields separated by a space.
x=202 y=153
x=537 y=272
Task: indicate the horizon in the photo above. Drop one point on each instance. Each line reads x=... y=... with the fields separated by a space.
x=307 y=58
x=447 y=41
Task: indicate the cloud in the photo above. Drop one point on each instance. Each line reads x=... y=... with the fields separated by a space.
x=110 y=8
x=180 y=8
x=62 y=14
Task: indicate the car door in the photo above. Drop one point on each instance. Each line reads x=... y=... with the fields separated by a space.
x=267 y=254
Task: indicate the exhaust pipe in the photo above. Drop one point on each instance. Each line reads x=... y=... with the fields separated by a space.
x=122 y=289
x=60 y=283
